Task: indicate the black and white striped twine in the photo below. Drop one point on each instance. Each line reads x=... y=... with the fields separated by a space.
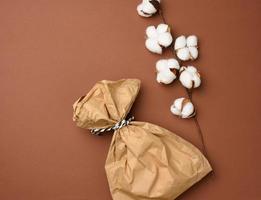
x=118 y=125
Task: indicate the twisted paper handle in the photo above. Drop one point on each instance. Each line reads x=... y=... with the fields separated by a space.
x=118 y=125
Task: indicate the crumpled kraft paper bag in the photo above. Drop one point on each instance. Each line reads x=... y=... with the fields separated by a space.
x=145 y=161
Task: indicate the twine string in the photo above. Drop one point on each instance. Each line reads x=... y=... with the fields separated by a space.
x=118 y=125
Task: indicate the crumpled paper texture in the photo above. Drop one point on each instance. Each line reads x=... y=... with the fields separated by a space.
x=145 y=161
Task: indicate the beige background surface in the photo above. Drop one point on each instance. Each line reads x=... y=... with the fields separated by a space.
x=52 y=52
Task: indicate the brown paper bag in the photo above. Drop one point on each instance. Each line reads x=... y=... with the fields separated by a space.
x=144 y=161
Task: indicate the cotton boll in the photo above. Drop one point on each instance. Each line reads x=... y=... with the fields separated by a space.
x=188 y=110
x=148 y=8
x=180 y=42
x=157 y=38
x=173 y=64
x=162 y=28
x=175 y=107
x=183 y=108
x=153 y=46
x=185 y=80
x=178 y=103
x=161 y=64
x=175 y=111
x=165 y=39
x=190 y=69
x=195 y=76
x=167 y=64
x=193 y=52
x=192 y=41
x=165 y=77
x=140 y=11
x=151 y=32
x=197 y=81
x=166 y=70
x=183 y=54
x=189 y=77
x=186 y=48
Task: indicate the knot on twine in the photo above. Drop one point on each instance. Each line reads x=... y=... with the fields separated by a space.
x=118 y=125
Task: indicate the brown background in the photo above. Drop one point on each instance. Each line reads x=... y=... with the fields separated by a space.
x=52 y=52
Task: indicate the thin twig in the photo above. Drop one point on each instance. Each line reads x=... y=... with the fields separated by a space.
x=189 y=94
